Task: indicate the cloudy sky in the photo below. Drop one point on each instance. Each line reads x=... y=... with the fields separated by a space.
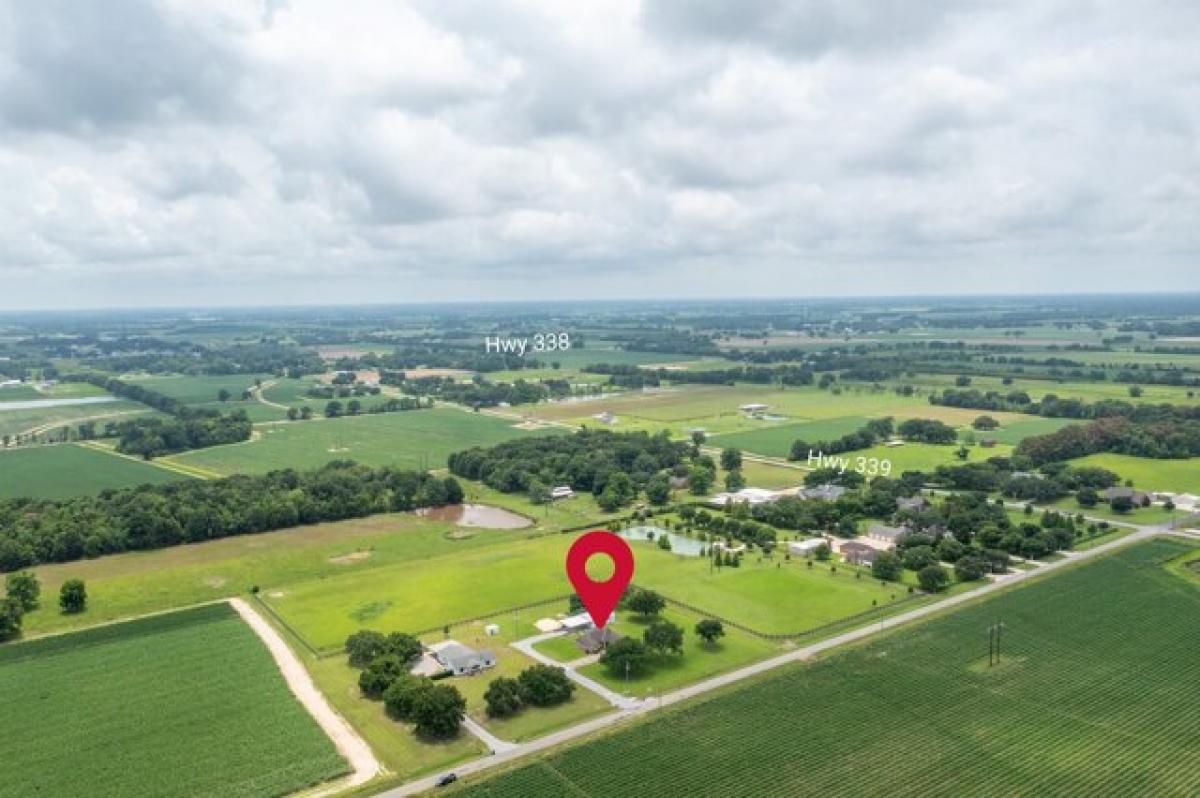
x=238 y=152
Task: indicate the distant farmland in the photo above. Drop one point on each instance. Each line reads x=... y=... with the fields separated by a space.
x=410 y=439
x=1092 y=697
x=189 y=703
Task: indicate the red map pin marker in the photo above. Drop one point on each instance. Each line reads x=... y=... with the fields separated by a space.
x=600 y=598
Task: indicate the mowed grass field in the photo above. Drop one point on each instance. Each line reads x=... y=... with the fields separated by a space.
x=202 y=392
x=189 y=703
x=67 y=470
x=413 y=439
x=716 y=408
x=416 y=596
x=1175 y=476
x=1090 y=698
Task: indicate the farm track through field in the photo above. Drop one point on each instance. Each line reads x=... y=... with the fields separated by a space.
x=44 y=428
x=164 y=463
x=349 y=744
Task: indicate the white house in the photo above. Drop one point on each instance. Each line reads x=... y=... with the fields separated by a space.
x=461 y=660
x=753 y=407
x=745 y=495
x=561 y=492
x=805 y=547
x=581 y=622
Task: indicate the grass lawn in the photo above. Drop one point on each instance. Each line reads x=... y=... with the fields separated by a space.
x=20 y=393
x=919 y=712
x=1154 y=514
x=66 y=470
x=564 y=648
x=189 y=703
x=699 y=660
x=1176 y=476
x=414 y=439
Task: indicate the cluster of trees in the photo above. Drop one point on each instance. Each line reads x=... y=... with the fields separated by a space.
x=271 y=357
x=1053 y=406
x=151 y=516
x=614 y=466
x=341 y=391
x=435 y=710
x=1056 y=480
x=734 y=526
x=863 y=438
x=924 y=430
x=630 y=657
x=537 y=686
x=189 y=429
x=478 y=393
x=1174 y=439
x=22 y=594
x=335 y=409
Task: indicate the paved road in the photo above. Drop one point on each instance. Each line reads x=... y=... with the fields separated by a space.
x=796 y=655
x=493 y=742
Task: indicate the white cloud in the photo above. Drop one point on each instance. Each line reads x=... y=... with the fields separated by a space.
x=245 y=151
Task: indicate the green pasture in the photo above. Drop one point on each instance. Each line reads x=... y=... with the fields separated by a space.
x=1175 y=476
x=1089 y=653
x=200 y=390
x=715 y=409
x=65 y=470
x=189 y=703
x=1014 y=432
x=775 y=440
x=412 y=439
x=770 y=596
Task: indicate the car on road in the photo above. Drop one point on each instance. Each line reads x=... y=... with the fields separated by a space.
x=446 y=780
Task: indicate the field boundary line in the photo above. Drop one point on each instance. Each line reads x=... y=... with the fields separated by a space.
x=364 y=765
x=157 y=463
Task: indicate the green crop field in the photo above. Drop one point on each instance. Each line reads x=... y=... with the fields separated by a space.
x=1089 y=699
x=66 y=470
x=413 y=439
x=1175 y=476
x=43 y=419
x=189 y=703
x=421 y=595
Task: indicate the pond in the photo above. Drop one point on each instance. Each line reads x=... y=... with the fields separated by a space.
x=476 y=515
x=680 y=544
x=37 y=404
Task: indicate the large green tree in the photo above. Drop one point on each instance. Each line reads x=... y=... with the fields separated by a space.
x=24 y=587
x=503 y=697
x=545 y=685
x=438 y=711
x=72 y=597
x=626 y=657
x=663 y=637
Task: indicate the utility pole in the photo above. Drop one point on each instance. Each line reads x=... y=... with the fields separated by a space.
x=994 y=638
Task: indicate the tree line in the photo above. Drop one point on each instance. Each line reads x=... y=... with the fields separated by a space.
x=36 y=531
x=615 y=466
x=1170 y=440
